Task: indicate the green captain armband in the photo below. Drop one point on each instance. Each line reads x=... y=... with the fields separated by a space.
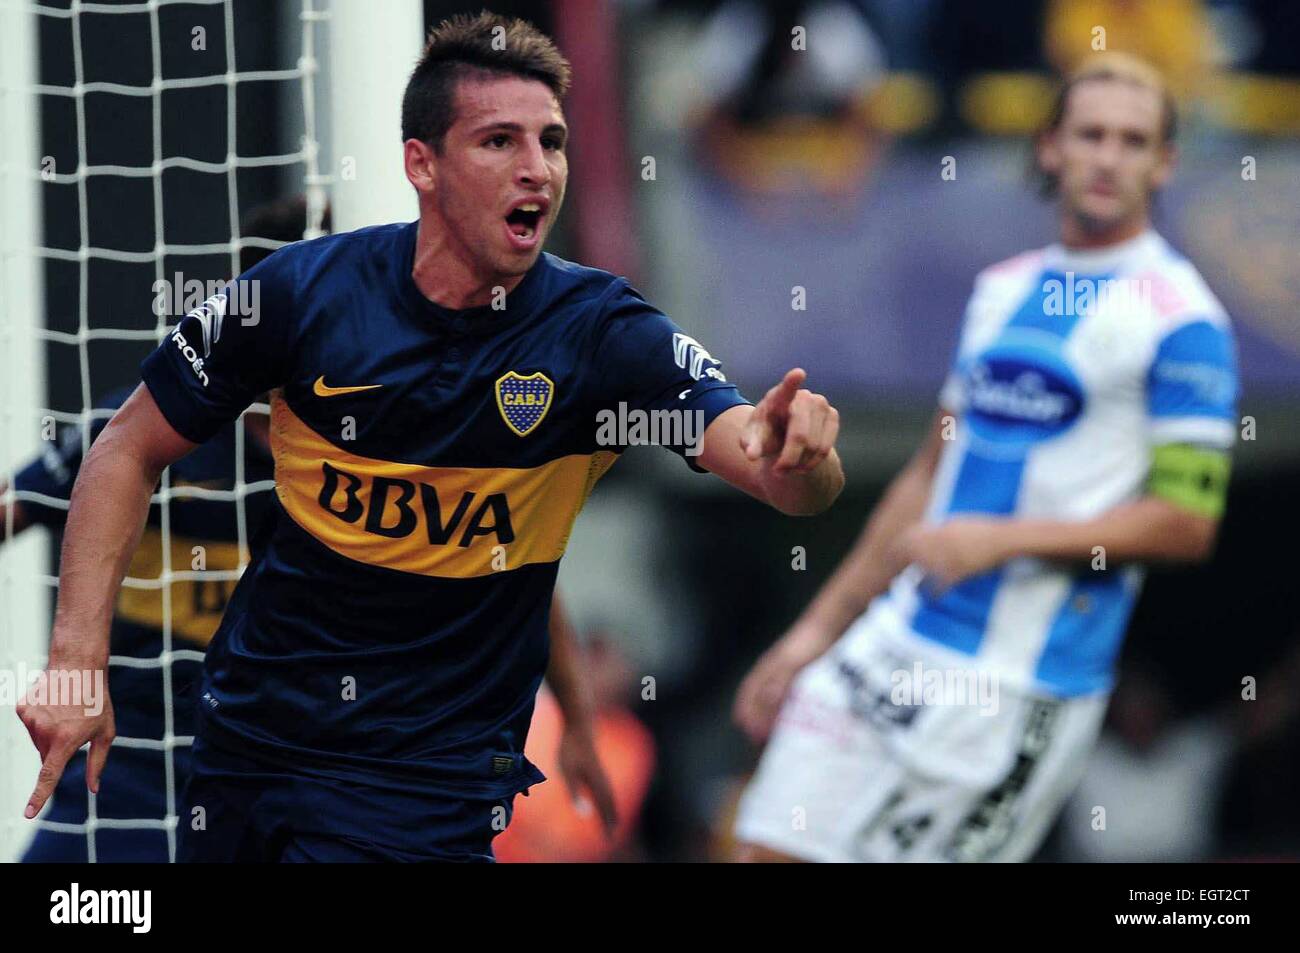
x=1194 y=478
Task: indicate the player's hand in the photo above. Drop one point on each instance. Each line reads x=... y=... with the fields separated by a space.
x=954 y=551
x=582 y=771
x=794 y=429
x=59 y=730
x=764 y=689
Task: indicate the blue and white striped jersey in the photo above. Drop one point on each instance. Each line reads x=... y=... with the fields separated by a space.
x=1072 y=367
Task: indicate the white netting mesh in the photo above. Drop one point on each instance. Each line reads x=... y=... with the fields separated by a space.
x=92 y=327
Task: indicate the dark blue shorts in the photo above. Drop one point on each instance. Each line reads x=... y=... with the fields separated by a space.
x=133 y=786
x=240 y=810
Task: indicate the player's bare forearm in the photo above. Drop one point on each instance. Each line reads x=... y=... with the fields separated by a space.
x=1149 y=529
x=110 y=502
x=863 y=575
x=874 y=560
x=564 y=671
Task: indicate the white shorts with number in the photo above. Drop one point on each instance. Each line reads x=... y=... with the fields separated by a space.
x=942 y=763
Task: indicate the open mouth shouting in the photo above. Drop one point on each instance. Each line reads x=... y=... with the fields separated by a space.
x=524 y=222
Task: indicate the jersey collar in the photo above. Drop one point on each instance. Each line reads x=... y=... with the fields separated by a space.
x=1102 y=260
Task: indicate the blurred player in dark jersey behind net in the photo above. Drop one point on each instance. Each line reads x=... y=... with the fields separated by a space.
x=135 y=784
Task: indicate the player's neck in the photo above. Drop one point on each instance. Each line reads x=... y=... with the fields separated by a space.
x=444 y=274
x=1077 y=236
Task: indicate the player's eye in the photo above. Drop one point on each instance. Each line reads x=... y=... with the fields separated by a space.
x=498 y=141
x=552 y=142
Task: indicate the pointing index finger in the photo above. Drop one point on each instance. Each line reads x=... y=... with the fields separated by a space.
x=789 y=386
x=52 y=765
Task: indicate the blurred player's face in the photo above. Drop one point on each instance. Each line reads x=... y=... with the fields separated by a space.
x=498 y=182
x=1108 y=156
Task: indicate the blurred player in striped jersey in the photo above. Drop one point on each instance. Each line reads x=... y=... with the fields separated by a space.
x=940 y=696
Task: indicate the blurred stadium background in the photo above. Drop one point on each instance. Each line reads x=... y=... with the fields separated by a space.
x=722 y=170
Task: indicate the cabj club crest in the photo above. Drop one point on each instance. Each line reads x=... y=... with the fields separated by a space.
x=524 y=401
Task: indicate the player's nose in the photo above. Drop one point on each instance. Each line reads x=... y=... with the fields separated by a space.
x=533 y=169
x=1108 y=153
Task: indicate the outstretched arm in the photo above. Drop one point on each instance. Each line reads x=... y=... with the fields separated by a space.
x=110 y=503
x=1149 y=529
x=782 y=451
x=1175 y=521
x=864 y=574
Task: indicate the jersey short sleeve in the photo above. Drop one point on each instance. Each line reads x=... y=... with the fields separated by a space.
x=1192 y=386
x=646 y=363
x=226 y=352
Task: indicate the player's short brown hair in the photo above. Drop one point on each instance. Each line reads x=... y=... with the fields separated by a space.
x=466 y=46
x=1108 y=67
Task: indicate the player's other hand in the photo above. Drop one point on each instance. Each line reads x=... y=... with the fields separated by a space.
x=59 y=730
x=585 y=776
x=764 y=689
x=792 y=428
x=953 y=551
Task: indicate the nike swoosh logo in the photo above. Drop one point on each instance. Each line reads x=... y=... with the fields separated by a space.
x=321 y=389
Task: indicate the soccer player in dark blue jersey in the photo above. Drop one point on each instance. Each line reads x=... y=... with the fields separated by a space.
x=442 y=399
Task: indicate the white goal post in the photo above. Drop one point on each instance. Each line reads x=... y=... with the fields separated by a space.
x=24 y=606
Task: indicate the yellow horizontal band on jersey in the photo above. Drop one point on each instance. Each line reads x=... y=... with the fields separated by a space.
x=451 y=522
x=1194 y=478
x=196 y=604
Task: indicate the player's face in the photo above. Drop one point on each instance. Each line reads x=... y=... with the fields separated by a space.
x=501 y=174
x=1108 y=155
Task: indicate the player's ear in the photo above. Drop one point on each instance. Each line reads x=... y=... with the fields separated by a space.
x=1047 y=153
x=1164 y=169
x=421 y=165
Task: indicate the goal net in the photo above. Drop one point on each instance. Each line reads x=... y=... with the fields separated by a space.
x=142 y=134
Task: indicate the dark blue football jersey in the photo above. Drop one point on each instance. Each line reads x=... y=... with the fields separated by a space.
x=429 y=467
